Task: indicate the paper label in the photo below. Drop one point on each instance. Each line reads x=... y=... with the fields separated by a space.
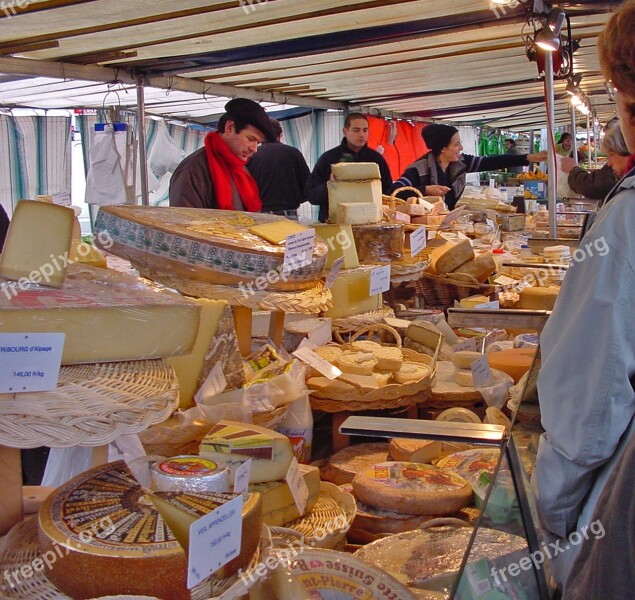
x=334 y=272
x=309 y=357
x=468 y=344
x=481 y=372
x=30 y=362
x=432 y=235
x=243 y=474
x=494 y=305
x=379 y=280
x=297 y=485
x=298 y=250
x=61 y=198
x=453 y=215
x=322 y=335
x=215 y=383
x=490 y=223
x=418 y=240
x=504 y=280
x=215 y=539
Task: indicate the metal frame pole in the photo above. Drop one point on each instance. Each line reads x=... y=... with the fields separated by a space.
x=143 y=160
x=552 y=182
x=573 y=132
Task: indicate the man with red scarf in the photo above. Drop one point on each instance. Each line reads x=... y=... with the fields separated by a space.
x=215 y=176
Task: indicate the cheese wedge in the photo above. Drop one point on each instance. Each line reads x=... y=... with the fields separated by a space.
x=38 y=243
x=355 y=171
x=410 y=450
x=480 y=267
x=277 y=232
x=357 y=213
x=368 y=191
x=450 y=257
x=340 y=242
x=351 y=294
x=230 y=444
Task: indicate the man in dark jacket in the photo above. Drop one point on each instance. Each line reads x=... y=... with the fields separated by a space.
x=281 y=174
x=352 y=149
x=441 y=172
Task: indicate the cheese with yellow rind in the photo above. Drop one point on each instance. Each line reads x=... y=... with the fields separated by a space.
x=450 y=257
x=355 y=171
x=277 y=232
x=349 y=192
x=411 y=450
x=340 y=242
x=351 y=294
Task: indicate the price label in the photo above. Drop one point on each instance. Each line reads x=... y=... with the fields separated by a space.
x=504 y=280
x=334 y=272
x=468 y=344
x=215 y=539
x=297 y=485
x=298 y=250
x=322 y=335
x=481 y=372
x=453 y=215
x=490 y=223
x=418 y=240
x=309 y=357
x=30 y=362
x=241 y=481
x=214 y=384
x=379 y=280
x=494 y=305
x=432 y=235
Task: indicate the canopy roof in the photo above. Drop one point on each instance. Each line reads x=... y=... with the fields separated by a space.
x=461 y=61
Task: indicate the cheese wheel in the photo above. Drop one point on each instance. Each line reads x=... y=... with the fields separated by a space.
x=538 y=298
x=412 y=488
x=109 y=539
x=409 y=450
x=464 y=377
x=459 y=415
x=410 y=371
x=343 y=465
x=189 y=474
x=450 y=257
x=515 y=361
x=463 y=359
x=358 y=363
x=473 y=301
x=480 y=267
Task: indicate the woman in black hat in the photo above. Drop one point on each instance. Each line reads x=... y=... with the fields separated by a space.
x=441 y=172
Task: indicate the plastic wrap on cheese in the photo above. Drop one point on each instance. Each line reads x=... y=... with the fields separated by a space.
x=106 y=316
x=379 y=242
x=213 y=246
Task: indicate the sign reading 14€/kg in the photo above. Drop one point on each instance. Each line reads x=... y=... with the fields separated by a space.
x=30 y=362
x=298 y=250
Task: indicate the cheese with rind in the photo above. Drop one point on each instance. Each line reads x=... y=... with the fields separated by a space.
x=351 y=294
x=450 y=257
x=368 y=191
x=231 y=444
x=355 y=171
x=340 y=242
x=343 y=465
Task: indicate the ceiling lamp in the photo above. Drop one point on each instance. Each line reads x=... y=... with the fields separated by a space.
x=548 y=38
x=573 y=84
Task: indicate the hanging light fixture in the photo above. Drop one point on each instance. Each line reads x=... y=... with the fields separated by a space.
x=573 y=84
x=548 y=38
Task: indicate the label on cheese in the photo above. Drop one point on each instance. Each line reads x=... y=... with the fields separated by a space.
x=297 y=485
x=309 y=357
x=298 y=250
x=379 y=280
x=416 y=476
x=235 y=439
x=418 y=240
x=481 y=372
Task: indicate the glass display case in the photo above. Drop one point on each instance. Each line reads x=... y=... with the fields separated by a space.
x=502 y=554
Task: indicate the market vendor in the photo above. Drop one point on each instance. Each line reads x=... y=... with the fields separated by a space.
x=354 y=148
x=441 y=172
x=215 y=175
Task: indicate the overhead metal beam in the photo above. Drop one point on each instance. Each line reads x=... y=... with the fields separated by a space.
x=45 y=68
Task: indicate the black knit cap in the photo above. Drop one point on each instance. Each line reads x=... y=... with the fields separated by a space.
x=251 y=113
x=437 y=136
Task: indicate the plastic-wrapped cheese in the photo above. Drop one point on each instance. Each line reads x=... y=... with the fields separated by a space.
x=379 y=242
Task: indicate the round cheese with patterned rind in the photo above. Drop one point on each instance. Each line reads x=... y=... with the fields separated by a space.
x=469 y=464
x=109 y=539
x=413 y=488
x=343 y=465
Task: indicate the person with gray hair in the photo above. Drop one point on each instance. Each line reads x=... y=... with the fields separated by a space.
x=596 y=184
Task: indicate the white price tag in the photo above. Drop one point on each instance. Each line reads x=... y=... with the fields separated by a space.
x=334 y=272
x=241 y=481
x=468 y=344
x=492 y=183
x=322 y=335
x=379 y=280
x=453 y=215
x=432 y=235
x=490 y=223
x=504 y=280
x=494 y=305
x=418 y=240
x=30 y=362
x=481 y=372
x=214 y=384
x=215 y=539
x=309 y=357
x=297 y=485
x=298 y=250
x=61 y=198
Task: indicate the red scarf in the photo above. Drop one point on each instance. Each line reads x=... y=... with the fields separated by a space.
x=225 y=166
x=631 y=163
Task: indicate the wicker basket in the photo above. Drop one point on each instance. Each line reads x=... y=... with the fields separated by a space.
x=393 y=395
x=440 y=292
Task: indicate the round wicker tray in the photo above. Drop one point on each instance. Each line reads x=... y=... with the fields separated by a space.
x=393 y=395
x=92 y=405
x=20 y=547
x=312 y=301
x=325 y=526
x=442 y=291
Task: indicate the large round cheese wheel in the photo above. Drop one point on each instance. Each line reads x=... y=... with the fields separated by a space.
x=413 y=488
x=515 y=361
x=343 y=465
x=538 y=298
x=109 y=539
